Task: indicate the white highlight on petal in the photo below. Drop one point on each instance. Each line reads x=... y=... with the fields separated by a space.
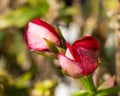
x=68 y=51
x=68 y=54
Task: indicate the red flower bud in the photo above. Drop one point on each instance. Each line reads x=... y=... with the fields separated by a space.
x=81 y=58
x=36 y=33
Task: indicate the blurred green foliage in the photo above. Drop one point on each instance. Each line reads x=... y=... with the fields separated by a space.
x=19 y=17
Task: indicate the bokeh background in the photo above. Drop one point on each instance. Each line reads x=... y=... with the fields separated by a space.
x=24 y=73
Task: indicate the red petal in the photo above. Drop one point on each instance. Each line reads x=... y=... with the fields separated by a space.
x=72 y=67
x=35 y=35
x=88 y=59
x=40 y=22
x=87 y=42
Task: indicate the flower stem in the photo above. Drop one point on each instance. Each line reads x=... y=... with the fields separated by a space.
x=87 y=81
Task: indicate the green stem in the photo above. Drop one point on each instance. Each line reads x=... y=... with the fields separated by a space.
x=87 y=81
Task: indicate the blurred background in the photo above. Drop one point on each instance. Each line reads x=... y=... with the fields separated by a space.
x=24 y=73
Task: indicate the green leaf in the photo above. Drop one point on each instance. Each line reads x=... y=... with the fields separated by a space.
x=87 y=81
x=35 y=3
x=23 y=80
x=2 y=37
x=25 y=14
x=108 y=91
x=21 y=16
x=6 y=20
x=48 y=84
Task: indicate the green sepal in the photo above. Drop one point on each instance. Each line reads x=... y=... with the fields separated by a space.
x=61 y=50
x=87 y=81
x=108 y=91
x=63 y=44
x=52 y=47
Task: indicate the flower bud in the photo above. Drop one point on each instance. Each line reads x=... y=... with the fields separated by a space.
x=81 y=58
x=39 y=36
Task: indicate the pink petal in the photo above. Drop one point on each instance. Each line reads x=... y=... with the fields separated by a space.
x=72 y=67
x=35 y=35
x=96 y=79
x=108 y=83
x=87 y=42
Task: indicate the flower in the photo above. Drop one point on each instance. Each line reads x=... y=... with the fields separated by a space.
x=37 y=32
x=81 y=58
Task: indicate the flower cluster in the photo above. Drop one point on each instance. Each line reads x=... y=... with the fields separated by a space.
x=77 y=60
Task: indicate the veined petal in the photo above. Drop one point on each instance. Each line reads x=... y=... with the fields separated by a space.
x=89 y=60
x=34 y=37
x=87 y=42
x=71 y=67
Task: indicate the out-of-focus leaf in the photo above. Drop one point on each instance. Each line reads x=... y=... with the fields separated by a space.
x=20 y=16
x=6 y=21
x=14 y=91
x=110 y=4
x=48 y=84
x=1 y=37
x=44 y=88
x=90 y=8
x=6 y=78
x=69 y=11
x=24 y=80
x=35 y=3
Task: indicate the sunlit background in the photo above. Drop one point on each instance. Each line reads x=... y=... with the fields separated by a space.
x=24 y=73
